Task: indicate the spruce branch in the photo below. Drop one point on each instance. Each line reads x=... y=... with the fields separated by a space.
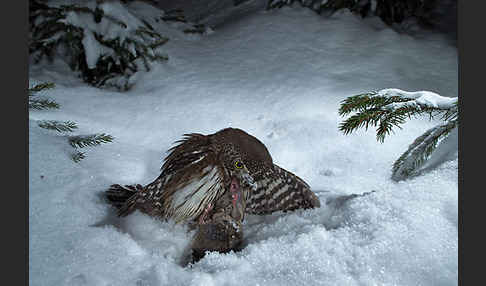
x=122 y=56
x=46 y=85
x=81 y=141
x=59 y=126
x=387 y=110
x=77 y=156
x=42 y=104
x=420 y=150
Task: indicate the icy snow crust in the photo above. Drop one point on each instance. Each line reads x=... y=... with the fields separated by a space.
x=279 y=75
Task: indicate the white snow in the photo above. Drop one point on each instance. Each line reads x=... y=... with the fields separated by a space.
x=280 y=75
x=93 y=49
x=108 y=28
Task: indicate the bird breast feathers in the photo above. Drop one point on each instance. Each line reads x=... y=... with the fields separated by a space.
x=189 y=201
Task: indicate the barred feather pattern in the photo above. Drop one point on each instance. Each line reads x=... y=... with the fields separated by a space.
x=190 y=179
x=190 y=200
x=279 y=190
x=197 y=173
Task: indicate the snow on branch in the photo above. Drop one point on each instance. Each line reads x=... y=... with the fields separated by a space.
x=388 y=108
x=105 y=41
x=419 y=98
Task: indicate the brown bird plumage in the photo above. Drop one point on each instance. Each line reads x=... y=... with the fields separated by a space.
x=212 y=181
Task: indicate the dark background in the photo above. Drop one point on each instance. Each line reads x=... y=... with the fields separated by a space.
x=441 y=14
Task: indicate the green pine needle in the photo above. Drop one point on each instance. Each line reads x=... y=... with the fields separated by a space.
x=78 y=156
x=373 y=110
x=42 y=104
x=420 y=150
x=39 y=87
x=59 y=126
x=388 y=112
x=82 y=141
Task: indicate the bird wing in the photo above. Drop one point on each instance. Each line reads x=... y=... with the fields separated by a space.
x=191 y=198
x=189 y=181
x=279 y=190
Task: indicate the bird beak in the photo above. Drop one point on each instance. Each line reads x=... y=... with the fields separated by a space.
x=249 y=181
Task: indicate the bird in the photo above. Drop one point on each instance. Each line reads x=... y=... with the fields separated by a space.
x=211 y=182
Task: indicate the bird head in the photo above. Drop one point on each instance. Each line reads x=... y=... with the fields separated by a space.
x=237 y=170
x=241 y=183
x=242 y=155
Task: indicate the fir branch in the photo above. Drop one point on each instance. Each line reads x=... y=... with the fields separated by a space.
x=421 y=150
x=82 y=141
x=42 y=104
x=362 y=102
x=66 y=126
x=452 y=113
x=39 y=87
x=386 y=111
x=390 y=108
x=77 y=156
x=53 y=31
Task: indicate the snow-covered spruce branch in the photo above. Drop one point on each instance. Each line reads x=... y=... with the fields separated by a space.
x=390 y=108
x=41 y=103
x=107 y=44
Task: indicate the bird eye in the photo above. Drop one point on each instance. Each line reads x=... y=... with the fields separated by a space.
x=238 y=165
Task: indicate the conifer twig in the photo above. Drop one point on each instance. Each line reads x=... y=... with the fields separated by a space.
x=42 y=104
x=420 y=150
x=39 y=87
x=77 y=156
x=390 y=108
x=125 y=51
x=59 y=126
x=387 y=110
x=81 y=141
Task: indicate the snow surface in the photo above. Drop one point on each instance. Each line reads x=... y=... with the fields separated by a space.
x=280 y=75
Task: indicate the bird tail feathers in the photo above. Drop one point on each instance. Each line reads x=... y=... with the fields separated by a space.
x=119 y=196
